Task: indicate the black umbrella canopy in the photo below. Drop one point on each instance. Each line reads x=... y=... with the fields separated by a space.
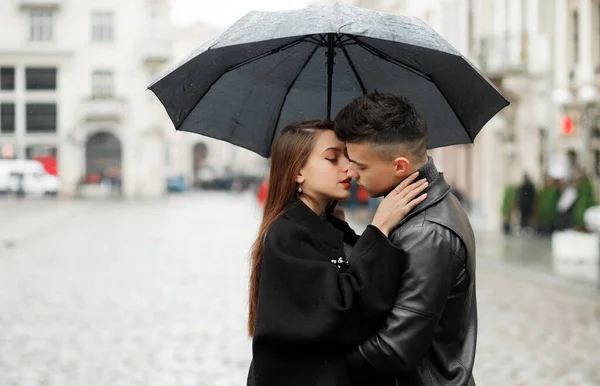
x=273 y=68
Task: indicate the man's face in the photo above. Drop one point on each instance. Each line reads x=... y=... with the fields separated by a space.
x=376 y=175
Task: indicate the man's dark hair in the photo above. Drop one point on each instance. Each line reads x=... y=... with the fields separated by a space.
x=388 y=122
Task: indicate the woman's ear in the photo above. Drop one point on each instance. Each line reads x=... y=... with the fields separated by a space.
x=300 y=178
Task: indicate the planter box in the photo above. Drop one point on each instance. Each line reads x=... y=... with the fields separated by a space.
x=589 y=272
x=576 y=247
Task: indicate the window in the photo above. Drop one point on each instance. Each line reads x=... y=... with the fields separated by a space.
x=7 y=118
x=41 y=25
x=103 y=84
x=40 y=78
x=103 y=26
x=40 y=151
x=41 y=117
x=7 y=78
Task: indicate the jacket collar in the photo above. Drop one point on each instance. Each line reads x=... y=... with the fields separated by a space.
x=437 y=190
x=299 y=212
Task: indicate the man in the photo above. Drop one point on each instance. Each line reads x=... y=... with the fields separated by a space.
x=526 y=201
x=430 y=334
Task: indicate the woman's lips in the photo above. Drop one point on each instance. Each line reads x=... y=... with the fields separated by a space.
x=346 y=183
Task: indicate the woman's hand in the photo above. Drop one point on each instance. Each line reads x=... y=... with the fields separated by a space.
x=404 y=198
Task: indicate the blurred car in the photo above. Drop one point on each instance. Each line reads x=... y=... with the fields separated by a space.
x=176 y=184
x=28 y=175
x=213 y=178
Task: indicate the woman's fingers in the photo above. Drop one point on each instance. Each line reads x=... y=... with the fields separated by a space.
x=412 y=204
x=413 y=191
x=406 y=182
x=412 y=187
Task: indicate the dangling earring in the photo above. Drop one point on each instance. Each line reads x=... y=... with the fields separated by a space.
x=300 y=188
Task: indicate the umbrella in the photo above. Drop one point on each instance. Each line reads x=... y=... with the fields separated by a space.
x=273 y=68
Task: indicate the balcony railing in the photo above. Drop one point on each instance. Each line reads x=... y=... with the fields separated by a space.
x=504 y=54
x=103 y=108
x=156 y=50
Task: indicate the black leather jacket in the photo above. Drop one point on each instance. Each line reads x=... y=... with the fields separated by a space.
x=430 y=335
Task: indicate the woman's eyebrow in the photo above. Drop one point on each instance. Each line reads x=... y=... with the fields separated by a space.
x=339 y=149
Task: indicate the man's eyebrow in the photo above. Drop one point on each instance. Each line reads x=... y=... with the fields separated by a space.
x=351 y=160
x=356 y=162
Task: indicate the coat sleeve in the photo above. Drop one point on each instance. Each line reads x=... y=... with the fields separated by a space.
x=350 y=237
x=308 y=300
x=430 y=271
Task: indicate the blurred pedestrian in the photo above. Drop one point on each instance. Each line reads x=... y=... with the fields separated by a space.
x=459 y=194
x=311 y=307
x=508 y=208
x=546 y=206
x=526 y=200
x=20 y=193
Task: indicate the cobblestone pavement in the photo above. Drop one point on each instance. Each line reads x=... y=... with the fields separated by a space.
x=154 y=293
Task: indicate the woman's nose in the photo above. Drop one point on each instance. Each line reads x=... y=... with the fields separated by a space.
x=346 y=166
x=351 y=173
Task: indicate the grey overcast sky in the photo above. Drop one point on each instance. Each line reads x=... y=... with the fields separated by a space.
x=222 y=13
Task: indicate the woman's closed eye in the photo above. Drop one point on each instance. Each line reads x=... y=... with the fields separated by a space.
x=332 y=160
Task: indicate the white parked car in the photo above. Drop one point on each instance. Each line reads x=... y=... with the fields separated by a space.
x=36 y=181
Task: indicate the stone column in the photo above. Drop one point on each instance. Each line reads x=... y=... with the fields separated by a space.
x=587 y=92
x=561 y=94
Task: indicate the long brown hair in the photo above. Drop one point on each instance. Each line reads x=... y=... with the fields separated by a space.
x=289 y=154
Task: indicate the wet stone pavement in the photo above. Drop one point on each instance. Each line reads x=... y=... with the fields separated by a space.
x=154 y=293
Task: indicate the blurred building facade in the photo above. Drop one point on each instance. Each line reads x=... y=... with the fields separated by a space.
x=575 y=94
x=198 y=157
x=466 y=167
x=544 y=56
x=73 y=78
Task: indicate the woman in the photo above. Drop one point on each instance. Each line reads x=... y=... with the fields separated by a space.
x=308 y=304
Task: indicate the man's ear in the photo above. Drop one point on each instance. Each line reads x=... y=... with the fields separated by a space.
x=402 y=166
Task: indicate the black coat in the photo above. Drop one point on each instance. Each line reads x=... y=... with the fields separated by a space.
x=310 y=312
x=429 y=338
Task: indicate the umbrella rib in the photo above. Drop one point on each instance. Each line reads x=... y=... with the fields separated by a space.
x=389 y=58
x=268 y=53
x=323 y=39
x=313 y=39
x=263 y=55
x=397 y=62
x=289 y=88
x=353 y=68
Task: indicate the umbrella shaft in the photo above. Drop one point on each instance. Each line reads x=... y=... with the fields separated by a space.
x=330 y=56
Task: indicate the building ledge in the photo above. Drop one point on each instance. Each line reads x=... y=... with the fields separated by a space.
x=103 y=109
x=34 y=4
x=38 y=49
x=156 y=51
